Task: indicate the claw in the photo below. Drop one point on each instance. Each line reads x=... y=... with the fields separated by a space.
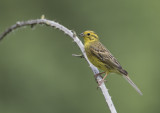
x=100 y=82
x=103 y=80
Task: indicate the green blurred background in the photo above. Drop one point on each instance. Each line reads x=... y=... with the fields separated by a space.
x=39 y=75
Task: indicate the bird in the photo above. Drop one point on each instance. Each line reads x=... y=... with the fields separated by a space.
x=102 y=58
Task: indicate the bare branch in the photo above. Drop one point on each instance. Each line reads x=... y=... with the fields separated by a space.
x=80 y=56
x=76 y=39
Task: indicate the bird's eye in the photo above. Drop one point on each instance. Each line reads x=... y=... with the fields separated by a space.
x=88 y=34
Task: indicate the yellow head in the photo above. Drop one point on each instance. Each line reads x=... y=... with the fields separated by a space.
x=89 y=36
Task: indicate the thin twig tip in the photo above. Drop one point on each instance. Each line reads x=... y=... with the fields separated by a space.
x=43 y=16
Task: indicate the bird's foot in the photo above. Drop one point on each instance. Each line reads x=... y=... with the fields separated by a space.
x=100 y=83
x=103 y=80
x=98 y=74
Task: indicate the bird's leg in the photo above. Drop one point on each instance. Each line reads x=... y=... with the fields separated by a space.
x=95 y=76
x=98 y=74
x=100 y=82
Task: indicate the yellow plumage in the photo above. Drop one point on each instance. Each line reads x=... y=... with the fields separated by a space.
x=102 y=58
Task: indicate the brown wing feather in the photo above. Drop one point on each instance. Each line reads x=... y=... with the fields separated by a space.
x=104 y=55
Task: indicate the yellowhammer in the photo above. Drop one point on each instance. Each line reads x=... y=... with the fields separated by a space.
x=102 y=58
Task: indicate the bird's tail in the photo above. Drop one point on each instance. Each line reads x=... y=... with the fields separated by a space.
x=132 y=84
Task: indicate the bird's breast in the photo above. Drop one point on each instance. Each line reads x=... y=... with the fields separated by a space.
x=94 y=60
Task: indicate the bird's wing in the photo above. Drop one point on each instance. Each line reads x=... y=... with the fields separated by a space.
x=104 y=55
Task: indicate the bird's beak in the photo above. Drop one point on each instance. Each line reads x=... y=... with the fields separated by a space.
x=82 y=35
